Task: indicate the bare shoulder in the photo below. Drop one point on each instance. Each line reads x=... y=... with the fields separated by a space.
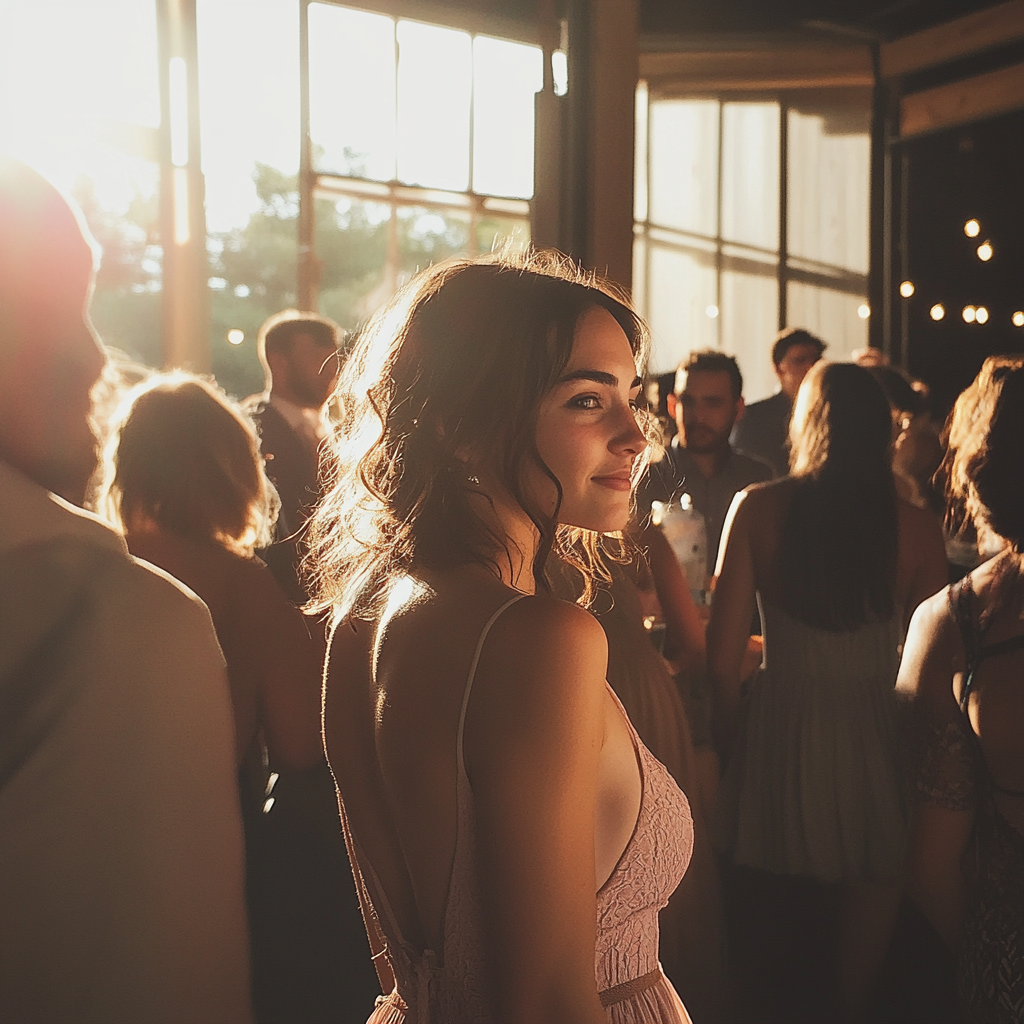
x=932 y=649
x=916 y=522
x=543 y=659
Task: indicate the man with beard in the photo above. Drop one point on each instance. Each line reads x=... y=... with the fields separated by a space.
x=706 y=403
x=121 y=863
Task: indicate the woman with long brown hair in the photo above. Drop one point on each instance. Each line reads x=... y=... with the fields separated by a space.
x=964 y=668
x=511 y=837
x=811 y=809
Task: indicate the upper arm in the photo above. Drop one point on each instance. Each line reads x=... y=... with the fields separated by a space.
x=733 y=606
x=943 y=767
x=928 y=573
x=533 y=738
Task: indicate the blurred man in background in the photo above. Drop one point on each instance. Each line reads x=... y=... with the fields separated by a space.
x=121 y=863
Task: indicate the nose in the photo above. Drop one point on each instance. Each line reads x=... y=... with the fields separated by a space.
x=631 y=439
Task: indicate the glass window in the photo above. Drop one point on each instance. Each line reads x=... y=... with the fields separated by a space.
x=709 y=263
x=829 y=189
x=750 y=174
x=431 y=129
x=683 y=165
x=352 y=91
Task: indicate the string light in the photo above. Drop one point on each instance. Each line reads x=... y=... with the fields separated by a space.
x=981 y=315
x=907 y=289
x=712 y=311
x=938 y=311
x=1018 y=318
x=863 y=311
x=985 y=252
x=969 y=314
x=236 y=336
x=972 y=229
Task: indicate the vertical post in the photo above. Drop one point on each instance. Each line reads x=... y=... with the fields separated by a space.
x=783 y=213
x=612 y=70
x=186 y=313
x=904 y=261
x=546 y=212
x=307 y=267
x=890 y=219
x=876 y=215
x=719 y=178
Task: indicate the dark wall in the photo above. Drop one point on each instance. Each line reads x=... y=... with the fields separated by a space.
x=973 y=172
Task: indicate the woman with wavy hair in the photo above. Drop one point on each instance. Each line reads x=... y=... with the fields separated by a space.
x=183 y=479
x=964 y=668
x=811 y=809
x=512 y=839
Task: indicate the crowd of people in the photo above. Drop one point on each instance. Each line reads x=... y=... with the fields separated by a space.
x=580 y=777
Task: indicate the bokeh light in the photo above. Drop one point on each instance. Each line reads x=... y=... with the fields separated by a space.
x=236 y=336
x=863 y=311
x=907 y=289
x=985 y=252
x=938 y=311
x=972 y=229
x=1018 y=318
x=981 y=315
x=712 y=311
x=969 y=314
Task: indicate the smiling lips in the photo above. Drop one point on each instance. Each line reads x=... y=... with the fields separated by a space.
x=616 y=482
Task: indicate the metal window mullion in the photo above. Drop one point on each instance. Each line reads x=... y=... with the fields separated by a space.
x=783 y=257
x=718 y=220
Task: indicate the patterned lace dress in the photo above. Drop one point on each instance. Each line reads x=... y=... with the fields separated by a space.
x=449 y=986
x=952 y=774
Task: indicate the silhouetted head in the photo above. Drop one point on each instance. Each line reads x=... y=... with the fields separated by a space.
x=183 y=457
x=50 y=357
x=794 y=352
x=841 y=421
x=986 y=451
x=444 y=386
x=299 y=352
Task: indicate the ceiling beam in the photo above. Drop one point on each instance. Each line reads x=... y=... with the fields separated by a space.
x=996 y=92
x=800 y=67
x=953 y=39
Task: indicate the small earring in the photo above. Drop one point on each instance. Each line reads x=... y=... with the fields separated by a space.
x=474 y=479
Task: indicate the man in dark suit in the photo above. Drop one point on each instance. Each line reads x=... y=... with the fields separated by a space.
x=763 y=432
x=300 y=356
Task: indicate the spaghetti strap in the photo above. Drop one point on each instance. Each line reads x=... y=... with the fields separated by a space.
x=472 y=675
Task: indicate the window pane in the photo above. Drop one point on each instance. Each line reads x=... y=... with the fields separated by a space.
x=680 y=289
x=750 y=173
x=493 y=230
x=829 y=186
x=351 y=244
x=750 y=314
x=426 y=236
x=435 y=73
x=683 y=147
x=830 y=314
x=505 y=78
x=352 y=91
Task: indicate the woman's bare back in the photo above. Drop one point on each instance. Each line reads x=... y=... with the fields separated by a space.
x=392 y=711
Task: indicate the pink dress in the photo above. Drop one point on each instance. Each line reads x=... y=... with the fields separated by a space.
x=450 y=986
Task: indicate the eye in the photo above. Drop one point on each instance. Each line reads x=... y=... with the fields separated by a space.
x=585 y=402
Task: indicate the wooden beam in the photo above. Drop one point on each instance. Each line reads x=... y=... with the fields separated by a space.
x=942 y=43
x=971 y=99
x=802 y=67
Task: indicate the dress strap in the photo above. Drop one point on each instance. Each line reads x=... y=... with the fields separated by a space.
x=472 y=675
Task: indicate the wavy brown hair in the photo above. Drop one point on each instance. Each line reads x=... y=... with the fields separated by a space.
x=981 y=470
x=184 y=455
x=839 y=539
x=458 y=361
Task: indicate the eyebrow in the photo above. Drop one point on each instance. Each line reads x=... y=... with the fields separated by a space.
x=598 y=377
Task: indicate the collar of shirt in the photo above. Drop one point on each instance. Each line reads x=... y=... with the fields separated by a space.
x=309 y=423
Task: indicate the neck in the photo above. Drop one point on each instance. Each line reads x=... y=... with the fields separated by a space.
x=709 y=463
x=288 y=395
x=520 y=540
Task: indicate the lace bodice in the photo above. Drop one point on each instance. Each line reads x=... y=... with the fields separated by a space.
x=450 y=986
